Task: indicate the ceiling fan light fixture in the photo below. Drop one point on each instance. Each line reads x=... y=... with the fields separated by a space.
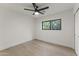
x=36 y=13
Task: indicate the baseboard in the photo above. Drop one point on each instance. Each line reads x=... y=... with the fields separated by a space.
x=55 y=44
x=12 y=45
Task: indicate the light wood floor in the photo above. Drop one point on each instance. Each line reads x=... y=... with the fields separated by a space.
x=37 y=48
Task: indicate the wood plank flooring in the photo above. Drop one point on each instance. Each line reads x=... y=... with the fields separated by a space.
x=37 y=48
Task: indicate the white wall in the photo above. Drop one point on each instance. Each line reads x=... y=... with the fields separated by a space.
x=63 y=37
x=15 y=28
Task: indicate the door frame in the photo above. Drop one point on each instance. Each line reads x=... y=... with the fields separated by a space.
x=74 y=28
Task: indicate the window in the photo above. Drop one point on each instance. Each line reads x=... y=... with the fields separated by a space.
x=46 y=25
x=51 y=25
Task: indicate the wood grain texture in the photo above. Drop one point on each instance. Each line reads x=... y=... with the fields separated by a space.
x=38 y=48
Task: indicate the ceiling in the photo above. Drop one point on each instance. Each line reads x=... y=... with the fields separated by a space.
x=53 y=7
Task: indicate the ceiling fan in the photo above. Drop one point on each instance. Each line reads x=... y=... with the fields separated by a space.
x=36 y=10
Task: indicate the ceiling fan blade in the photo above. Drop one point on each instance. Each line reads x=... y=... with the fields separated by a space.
x=33 y=14
x=34 y=5
x=29 y=9
x=40 y=12
x=43 y=8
